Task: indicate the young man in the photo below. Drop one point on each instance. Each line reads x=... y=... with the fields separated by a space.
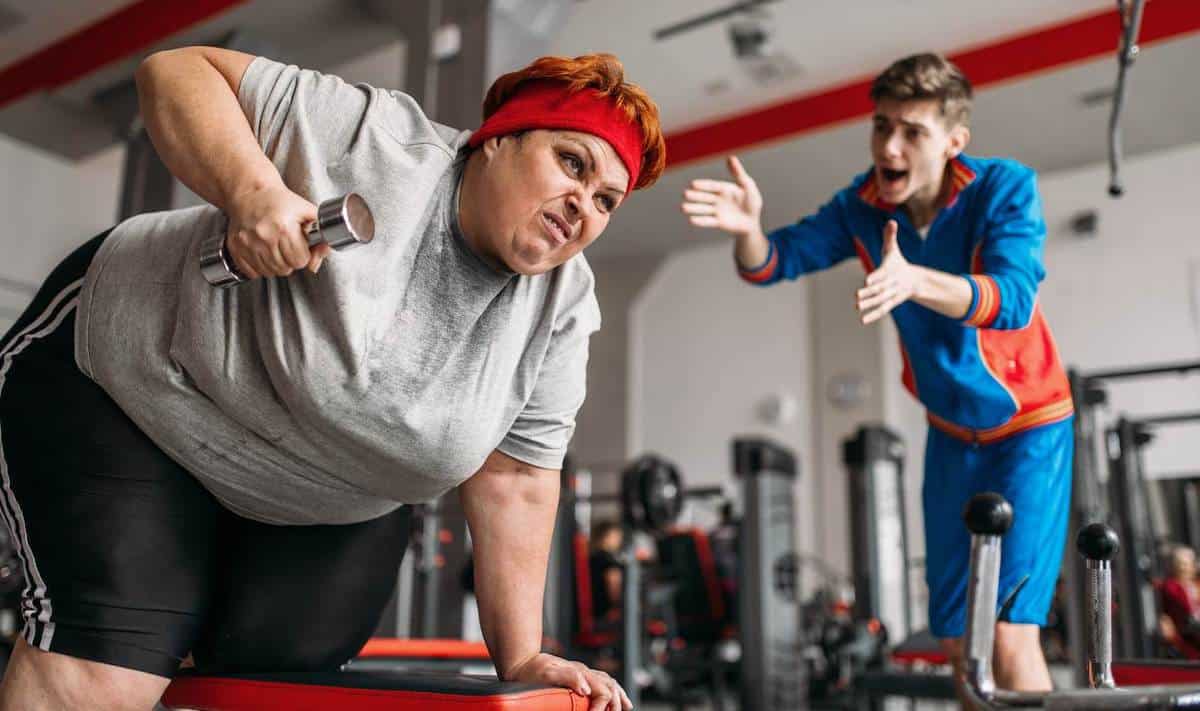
x=952 y=247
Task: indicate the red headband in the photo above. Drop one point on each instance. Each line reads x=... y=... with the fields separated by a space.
x=548 y=104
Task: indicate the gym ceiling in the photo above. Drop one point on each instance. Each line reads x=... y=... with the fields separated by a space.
x=795 y=110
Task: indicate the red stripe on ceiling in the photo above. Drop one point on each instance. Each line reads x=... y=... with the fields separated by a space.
x=1041 y=50
x=114 y=37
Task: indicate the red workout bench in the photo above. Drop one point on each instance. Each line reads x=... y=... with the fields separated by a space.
x=397 y=648
x=1147 y=672
x=364 y=691
x=441 y=655
x=373 y=688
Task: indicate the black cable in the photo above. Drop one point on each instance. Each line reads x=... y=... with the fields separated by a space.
x=1130 y=12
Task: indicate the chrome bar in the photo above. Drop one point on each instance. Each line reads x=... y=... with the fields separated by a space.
x=1099 y=592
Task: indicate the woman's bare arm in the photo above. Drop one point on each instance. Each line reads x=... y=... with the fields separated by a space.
x=190 y=107
x=189 y=103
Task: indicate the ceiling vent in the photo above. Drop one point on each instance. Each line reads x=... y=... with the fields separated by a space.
x=716 y=87
x=771 y=68
x=1097 y=97
x=9 y=19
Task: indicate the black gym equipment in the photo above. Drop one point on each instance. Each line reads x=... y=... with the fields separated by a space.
x=1180 y=496
x=988 y=517
x=874 y=459
x=1139 y=515
x=650 y=498
x=695 y=648
x=884 y=662
x=678 y=614
x=1092 y=490
x=651 y=493
x=428 y=607
x=772 y=670
x=430 y=601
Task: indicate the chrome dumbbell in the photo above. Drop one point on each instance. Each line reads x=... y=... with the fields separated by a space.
x=341 y=222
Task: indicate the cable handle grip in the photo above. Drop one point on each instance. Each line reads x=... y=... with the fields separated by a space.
x=341 y=222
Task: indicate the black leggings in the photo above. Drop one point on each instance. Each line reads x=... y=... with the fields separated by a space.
x=130 y=561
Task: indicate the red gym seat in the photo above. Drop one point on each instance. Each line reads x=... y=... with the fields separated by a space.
x=454 y=656
x=588 y=634
x=685 y=555
x=405 y=648
x=1152 y=672
x=363 y=691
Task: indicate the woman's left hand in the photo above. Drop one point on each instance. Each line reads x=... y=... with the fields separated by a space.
x=603 y=692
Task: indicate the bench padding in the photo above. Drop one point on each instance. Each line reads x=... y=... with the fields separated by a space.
x=364 y=691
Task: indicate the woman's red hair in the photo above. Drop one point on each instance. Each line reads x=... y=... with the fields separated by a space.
x=604 y=74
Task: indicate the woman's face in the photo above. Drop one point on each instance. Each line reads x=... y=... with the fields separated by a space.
x=545 y=196
x=612 y=540
x=1183 y=561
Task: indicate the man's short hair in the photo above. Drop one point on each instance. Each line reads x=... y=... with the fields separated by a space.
x=927 y=76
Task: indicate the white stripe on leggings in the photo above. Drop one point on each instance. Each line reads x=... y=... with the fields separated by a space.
x=35 y=586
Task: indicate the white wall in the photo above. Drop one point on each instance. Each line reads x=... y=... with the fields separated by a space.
x=841 y=351
x=50 y=207
x=706 y=353
x=905 y=416
x=1130 y=295
x=600 y=444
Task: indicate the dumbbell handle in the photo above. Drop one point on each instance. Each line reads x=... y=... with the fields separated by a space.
x=341 y=222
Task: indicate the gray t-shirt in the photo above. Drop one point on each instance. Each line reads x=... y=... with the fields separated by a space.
x=388 y=377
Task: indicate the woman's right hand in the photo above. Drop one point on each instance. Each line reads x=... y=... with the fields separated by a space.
x=735 y=207
x=266 y=232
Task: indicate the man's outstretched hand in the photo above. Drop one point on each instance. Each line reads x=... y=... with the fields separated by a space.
x=733 y=207
x=893 y=283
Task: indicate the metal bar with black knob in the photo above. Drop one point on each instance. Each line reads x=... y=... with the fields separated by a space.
x=988 y=517
x=1098 y=543
x=1088 y=503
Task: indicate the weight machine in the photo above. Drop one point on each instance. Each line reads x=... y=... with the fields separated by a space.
x=1096 y=496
